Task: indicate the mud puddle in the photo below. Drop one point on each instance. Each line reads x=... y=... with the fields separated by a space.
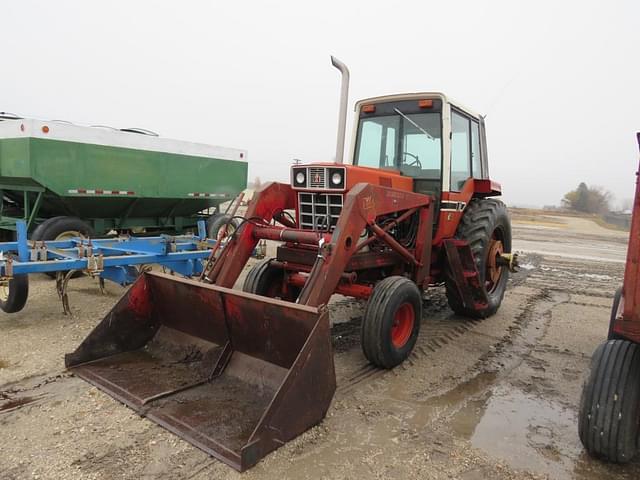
x=438 y=405
x=526 y=431
x=529 y=433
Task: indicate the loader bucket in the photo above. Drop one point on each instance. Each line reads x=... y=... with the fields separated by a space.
x=235 y=374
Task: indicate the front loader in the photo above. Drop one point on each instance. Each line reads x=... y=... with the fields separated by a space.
x=239 y=373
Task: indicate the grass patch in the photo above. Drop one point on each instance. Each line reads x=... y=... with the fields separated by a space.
x=604 y=224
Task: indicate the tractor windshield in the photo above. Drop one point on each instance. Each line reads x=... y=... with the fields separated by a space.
x=409 y=142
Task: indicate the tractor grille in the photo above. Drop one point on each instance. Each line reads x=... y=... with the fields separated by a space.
x=319 y=211
x=317 y=177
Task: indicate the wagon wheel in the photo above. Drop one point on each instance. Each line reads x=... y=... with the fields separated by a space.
x=222 y=228
x=62 y=228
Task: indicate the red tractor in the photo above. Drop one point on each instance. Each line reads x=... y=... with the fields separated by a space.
x=609 y=416
x=239 y=373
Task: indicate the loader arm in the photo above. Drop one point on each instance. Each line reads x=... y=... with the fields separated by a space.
x=266 y=202
x=363 y=204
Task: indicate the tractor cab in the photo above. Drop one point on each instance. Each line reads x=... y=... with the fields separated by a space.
x=424 y=136
x=420 y=142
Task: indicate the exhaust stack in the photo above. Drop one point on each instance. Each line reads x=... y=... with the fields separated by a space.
x=342 y=115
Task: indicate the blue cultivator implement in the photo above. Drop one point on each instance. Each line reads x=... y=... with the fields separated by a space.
x=119 y=259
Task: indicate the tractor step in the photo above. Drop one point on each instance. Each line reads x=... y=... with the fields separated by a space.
x=465 y=274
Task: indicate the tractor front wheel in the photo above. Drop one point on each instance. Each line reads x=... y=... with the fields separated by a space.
x=391 y=321
x=486 y=227
x=266 y=280
x=609 y=416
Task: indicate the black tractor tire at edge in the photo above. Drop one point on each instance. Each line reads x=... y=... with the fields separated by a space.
x=18 y=294
x=609 y=415
x=480 y=219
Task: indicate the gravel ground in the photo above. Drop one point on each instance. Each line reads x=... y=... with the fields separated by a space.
x=477 y=399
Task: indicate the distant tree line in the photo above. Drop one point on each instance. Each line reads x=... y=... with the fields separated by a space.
x=587 y=199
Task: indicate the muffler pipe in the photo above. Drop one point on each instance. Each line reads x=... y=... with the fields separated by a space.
x=342 y=115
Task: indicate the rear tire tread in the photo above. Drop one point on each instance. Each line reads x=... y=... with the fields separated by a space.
x=609 y=417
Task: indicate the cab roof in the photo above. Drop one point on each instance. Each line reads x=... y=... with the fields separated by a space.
x=416 y=95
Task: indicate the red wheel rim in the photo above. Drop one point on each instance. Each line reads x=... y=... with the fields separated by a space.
x=493 y=270
x=402 y=325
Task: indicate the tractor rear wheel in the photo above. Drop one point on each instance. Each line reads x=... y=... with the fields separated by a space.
x=609 y=416
x=62 y=228
x=266 y=280
x=13 y=296
x=486 y=227
x=391 y=321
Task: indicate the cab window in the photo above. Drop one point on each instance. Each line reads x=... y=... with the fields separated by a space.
x=411 y=143
x=377 y=142
x=460 y=151
x=476 y=164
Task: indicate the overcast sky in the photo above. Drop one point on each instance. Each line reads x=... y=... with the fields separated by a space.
x=559 y=81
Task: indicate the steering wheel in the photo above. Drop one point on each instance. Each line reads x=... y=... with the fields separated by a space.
x=416 y=160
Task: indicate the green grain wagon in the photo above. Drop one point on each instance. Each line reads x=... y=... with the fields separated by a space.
x=67 y=179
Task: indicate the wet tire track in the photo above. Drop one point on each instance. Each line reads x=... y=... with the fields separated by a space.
x=441 y=327
x=436 y=331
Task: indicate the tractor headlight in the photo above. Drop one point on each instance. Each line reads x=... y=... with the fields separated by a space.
x=336 y=178
x=299 y=177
